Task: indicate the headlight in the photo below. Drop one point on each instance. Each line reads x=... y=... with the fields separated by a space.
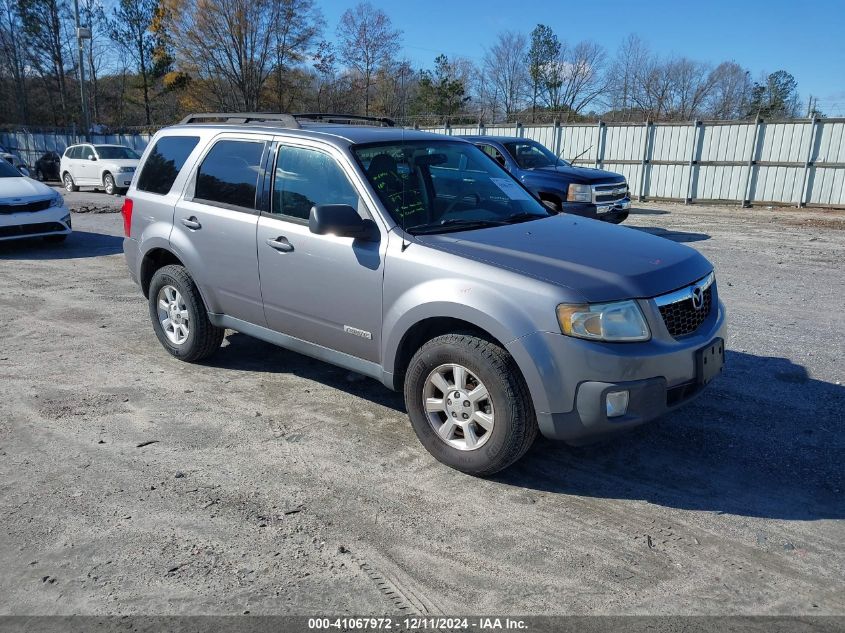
x=579 y=193
x=125 y=170
x=618 y=321
x=57 y=200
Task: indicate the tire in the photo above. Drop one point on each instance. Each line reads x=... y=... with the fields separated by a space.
x=203 y=338
x=67 y=179
x=55 y=239
x=108 y=184
x=39 y=175
x=510 y=413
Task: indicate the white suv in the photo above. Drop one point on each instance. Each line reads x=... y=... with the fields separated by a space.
x=108 y=167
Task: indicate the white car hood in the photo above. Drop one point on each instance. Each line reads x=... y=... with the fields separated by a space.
x=121 y=162
x=19 y=189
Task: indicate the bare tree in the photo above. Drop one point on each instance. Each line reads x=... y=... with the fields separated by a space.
x=12 y=56
x=730 y=93
x=44 y=24
x=624 y=74
x=505 y=67
x=299 y=23
x=130 y=29
x=576 y=78
x=228 y=45
x=691 y=83
x=367 y=41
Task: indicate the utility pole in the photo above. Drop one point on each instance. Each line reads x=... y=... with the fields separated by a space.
x=82 y=34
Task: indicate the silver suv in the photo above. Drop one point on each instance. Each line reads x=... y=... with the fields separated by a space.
x=417 y=260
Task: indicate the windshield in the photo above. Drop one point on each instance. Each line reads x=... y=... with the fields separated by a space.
x=439 y=186
x=530 y=155
x=115 y=152
x=7 y=171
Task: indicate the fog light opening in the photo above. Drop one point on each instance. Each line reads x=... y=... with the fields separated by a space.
x=616 y=403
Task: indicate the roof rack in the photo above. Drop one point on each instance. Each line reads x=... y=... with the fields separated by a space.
x=344 y=119
x=284 y=120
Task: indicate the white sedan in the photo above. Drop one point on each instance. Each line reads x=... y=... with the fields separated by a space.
x=29 y=208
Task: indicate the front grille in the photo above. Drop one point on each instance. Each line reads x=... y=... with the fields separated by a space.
x=36 y=205
x=681 y=318
x=21 y=230
x=608 y=192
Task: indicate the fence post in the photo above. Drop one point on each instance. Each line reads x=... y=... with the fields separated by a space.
x=693 y=163
x=448 y=129
x=645 y=164
x=600 y=143
x=746 y=197
x=520 y=130
x=805 y=181
x=558 y=137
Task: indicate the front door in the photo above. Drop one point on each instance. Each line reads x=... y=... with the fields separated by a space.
x=319 y=288
x=85 y=170
x=214 y=226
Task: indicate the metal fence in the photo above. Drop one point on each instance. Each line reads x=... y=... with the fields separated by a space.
x=768 y=162
x=30 y=145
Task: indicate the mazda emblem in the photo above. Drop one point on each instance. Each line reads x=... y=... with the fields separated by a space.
x=697 y=298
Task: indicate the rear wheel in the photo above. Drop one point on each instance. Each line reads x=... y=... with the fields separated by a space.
x=67 y=179
x=179 y=317
x=468 y=404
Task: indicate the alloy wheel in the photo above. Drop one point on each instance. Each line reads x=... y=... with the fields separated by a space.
x=173 y=315
x=458 y=407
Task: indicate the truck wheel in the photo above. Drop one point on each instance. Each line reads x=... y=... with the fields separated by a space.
x=179 y=317
x=468 y=404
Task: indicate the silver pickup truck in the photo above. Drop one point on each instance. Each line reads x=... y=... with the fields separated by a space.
x=417 y=260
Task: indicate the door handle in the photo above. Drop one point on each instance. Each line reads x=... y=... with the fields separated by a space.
x=280 y=244
x=191 y=223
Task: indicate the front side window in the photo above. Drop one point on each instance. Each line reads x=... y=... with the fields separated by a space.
x=439 y=186
x=532 y=155
x=114 y=152
x=164 y=163
x=228 y=174
x=305 y=178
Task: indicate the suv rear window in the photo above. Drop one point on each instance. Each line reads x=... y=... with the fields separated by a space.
x=229 y=173
x=166 y=159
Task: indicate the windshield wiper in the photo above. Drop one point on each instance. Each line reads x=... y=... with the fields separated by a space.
x=522 y=216
x=455 y=224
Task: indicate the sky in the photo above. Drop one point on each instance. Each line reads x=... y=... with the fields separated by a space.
x=805 y=38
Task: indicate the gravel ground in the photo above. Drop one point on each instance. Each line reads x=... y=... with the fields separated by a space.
x=267 y=482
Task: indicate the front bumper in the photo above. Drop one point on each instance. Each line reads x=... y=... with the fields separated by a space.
x=615 y=212
x=123 y=179
x=569 y=378
x=26 y=224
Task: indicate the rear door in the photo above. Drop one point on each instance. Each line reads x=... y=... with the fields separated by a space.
x=319 y=288
x=215 y=224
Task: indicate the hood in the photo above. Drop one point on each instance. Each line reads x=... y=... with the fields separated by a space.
x=586 y=175
x=13 y=188
x=597 y=260
x=120 y=162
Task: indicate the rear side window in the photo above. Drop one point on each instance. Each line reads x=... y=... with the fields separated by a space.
x=164 y=162
x=229 y=173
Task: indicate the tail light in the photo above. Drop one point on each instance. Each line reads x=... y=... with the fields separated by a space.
x=126 y=212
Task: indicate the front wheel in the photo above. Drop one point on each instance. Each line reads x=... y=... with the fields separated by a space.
x=179 y=317
x=69 y=184
x=108 y=183
x=469 y=404
x=39 y=175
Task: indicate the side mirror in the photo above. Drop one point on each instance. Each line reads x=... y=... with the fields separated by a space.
x=91 y=157
x=341 y=220
x=24 y=171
